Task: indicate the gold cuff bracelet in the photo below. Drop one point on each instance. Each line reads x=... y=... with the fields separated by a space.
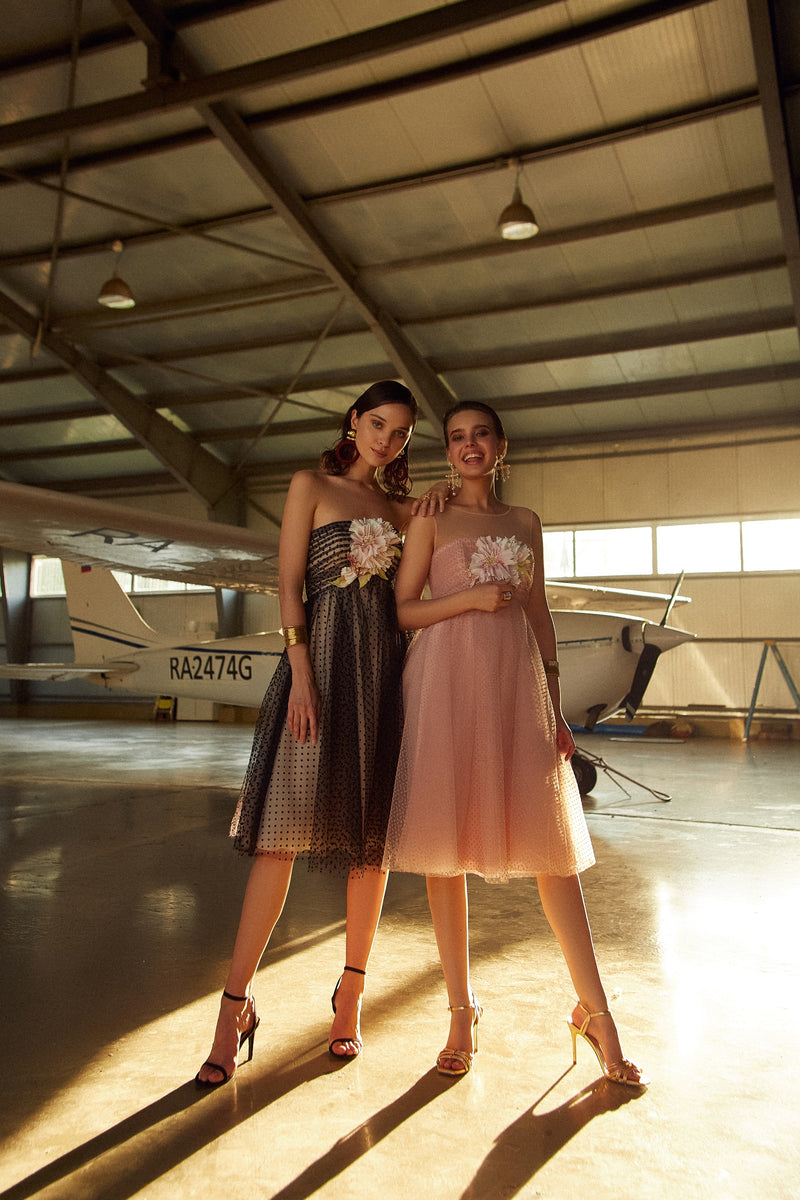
x=295 y=635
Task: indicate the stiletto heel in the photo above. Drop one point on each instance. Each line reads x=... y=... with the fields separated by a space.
x=624 y=1072
x=248 y=1036
x=462 y=1057
x=343 y=1041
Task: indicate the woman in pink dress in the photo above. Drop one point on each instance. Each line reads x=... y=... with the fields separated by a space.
x=483 y=782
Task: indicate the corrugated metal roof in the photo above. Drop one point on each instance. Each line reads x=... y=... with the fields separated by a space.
x=308 y=190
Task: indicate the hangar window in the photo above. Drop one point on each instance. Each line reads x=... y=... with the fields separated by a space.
x=697 y=547
x=559 y=554
x=771 y=545
x=607 y=552
x=593 y=553
x=47 y=579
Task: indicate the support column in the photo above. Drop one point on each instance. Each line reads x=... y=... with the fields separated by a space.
x=15 y=568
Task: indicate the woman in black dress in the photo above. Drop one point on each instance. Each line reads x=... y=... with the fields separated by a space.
x=322 y=767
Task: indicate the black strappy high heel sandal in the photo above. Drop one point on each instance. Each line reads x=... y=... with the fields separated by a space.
x=343 y=1041
x=248 y=1036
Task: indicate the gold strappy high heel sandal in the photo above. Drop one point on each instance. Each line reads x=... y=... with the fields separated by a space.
x=462 y=1057
x=624 y=1072
x=248 y=1036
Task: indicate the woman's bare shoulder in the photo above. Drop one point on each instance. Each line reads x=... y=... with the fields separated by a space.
x=309 y=483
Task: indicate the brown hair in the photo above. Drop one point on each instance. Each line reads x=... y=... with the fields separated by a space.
x=395 y=474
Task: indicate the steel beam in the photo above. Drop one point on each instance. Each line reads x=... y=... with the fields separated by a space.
x=353 y=48
x=775 y=79
x=203 y=474
x=232 y=132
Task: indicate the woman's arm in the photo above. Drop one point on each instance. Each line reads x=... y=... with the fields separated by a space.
x=416 y=613
x=541 y=620
x=298 y=520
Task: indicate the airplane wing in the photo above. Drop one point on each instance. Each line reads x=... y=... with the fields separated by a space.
x=594 y=596
x=60 y=672
x=104 y=534
x=112 y=535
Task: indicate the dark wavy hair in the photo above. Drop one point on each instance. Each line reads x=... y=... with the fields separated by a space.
x=469 y=406
x=394 y=476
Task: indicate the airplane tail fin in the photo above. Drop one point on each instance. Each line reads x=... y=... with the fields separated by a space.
x=104 y=622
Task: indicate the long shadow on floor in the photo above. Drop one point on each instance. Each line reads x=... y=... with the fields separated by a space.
x=124 y=1159
x=347 y=1150
x=534 y=1138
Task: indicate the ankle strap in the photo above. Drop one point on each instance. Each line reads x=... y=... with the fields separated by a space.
x=356 y=970
x=239 y=999
x=604 y=1013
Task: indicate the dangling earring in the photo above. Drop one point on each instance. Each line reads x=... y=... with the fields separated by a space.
x=346 y=450
x=501 y=469
x=453 y=479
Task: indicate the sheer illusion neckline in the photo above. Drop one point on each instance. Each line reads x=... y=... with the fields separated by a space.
x=480 y=512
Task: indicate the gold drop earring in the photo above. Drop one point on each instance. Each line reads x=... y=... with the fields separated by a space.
x=453 y=479
x=501 y=469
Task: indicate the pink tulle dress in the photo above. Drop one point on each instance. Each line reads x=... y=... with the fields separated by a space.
x=480 y=784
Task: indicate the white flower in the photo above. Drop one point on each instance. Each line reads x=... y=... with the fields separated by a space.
x=373 y=545
x=500 y=560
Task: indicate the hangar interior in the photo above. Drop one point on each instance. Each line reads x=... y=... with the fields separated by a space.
x=307 y=198
x=286 y=200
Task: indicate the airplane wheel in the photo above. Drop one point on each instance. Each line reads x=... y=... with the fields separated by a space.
x=585 y=774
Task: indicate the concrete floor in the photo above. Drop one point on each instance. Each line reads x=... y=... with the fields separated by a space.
x=120 y=898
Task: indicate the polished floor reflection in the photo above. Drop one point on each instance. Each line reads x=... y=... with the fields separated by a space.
x=120 y=897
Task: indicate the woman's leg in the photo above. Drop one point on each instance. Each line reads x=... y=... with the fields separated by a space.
x=562 y=901
x=264 y=898
x=365 y=892
x=447 y=897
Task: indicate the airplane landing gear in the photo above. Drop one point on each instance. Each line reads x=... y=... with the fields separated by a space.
x=585 y=765
x=585 y=773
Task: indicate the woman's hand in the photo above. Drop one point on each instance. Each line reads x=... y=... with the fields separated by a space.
x=432 y=501
x=564 y=738
x=489 y=597
x=302 y=717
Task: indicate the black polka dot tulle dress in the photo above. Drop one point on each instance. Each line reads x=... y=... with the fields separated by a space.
x=331 y=802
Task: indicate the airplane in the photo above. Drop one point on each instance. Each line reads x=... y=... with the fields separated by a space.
x=607 y=658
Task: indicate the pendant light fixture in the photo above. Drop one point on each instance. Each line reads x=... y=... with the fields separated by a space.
x=115 y=292
x=517 y=221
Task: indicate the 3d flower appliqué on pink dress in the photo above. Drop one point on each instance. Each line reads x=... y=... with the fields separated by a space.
x=480 y=785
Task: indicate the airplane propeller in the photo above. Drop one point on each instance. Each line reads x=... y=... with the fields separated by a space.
x=648 y=659
x=641 y=677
